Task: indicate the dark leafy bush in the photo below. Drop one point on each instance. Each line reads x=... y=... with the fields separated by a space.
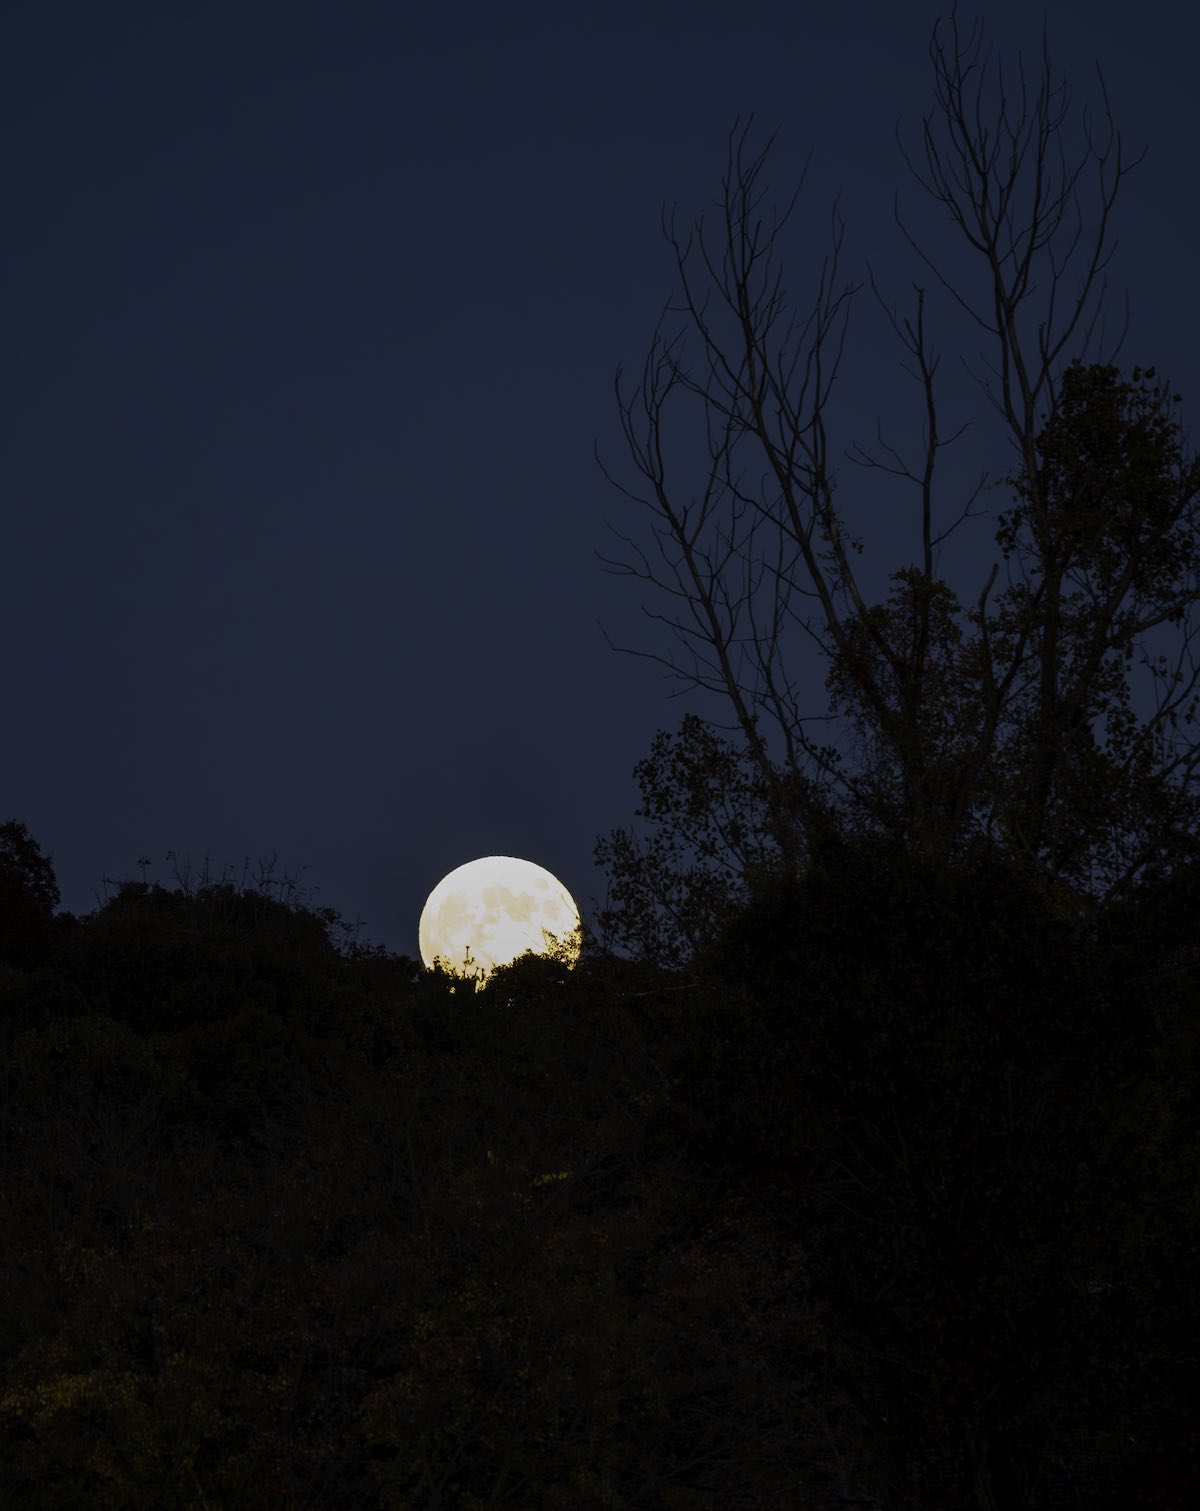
x=958 y=1074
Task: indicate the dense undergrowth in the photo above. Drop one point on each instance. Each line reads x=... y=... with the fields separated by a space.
x=890 y=1200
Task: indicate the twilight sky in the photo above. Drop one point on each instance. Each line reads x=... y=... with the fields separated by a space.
x=311 y=314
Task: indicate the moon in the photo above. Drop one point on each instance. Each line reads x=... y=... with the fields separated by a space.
x=491 y=910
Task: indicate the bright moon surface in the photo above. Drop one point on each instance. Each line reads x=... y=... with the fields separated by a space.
x=496 y=907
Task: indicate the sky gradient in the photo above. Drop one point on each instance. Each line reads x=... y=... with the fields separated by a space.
x=311 y=319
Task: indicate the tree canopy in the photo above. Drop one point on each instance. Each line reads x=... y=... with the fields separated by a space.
x=975 y=730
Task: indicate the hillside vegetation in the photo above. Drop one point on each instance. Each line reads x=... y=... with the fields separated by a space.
x=889 y=1200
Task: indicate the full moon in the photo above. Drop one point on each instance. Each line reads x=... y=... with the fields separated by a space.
x=491 y=910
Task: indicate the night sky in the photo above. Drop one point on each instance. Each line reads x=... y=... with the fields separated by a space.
x=311 y=318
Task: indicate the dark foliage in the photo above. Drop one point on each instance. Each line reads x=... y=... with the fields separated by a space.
x=28 y=896
x=890 y=1202
x=983 y=1115
x=283 y=1227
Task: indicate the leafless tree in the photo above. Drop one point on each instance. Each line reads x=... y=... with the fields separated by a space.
x=967 y=739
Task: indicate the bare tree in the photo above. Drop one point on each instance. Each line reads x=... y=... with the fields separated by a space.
x=967 y=740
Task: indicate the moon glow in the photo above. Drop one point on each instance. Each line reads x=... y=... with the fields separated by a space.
x=491 y=910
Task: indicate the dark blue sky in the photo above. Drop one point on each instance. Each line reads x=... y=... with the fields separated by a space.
x=311 y=315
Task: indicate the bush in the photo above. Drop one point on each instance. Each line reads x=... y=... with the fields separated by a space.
x=943 y=1058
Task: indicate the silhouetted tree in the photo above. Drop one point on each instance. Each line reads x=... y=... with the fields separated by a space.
x=969 y=741
x=712 y=819
x=28 y=896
